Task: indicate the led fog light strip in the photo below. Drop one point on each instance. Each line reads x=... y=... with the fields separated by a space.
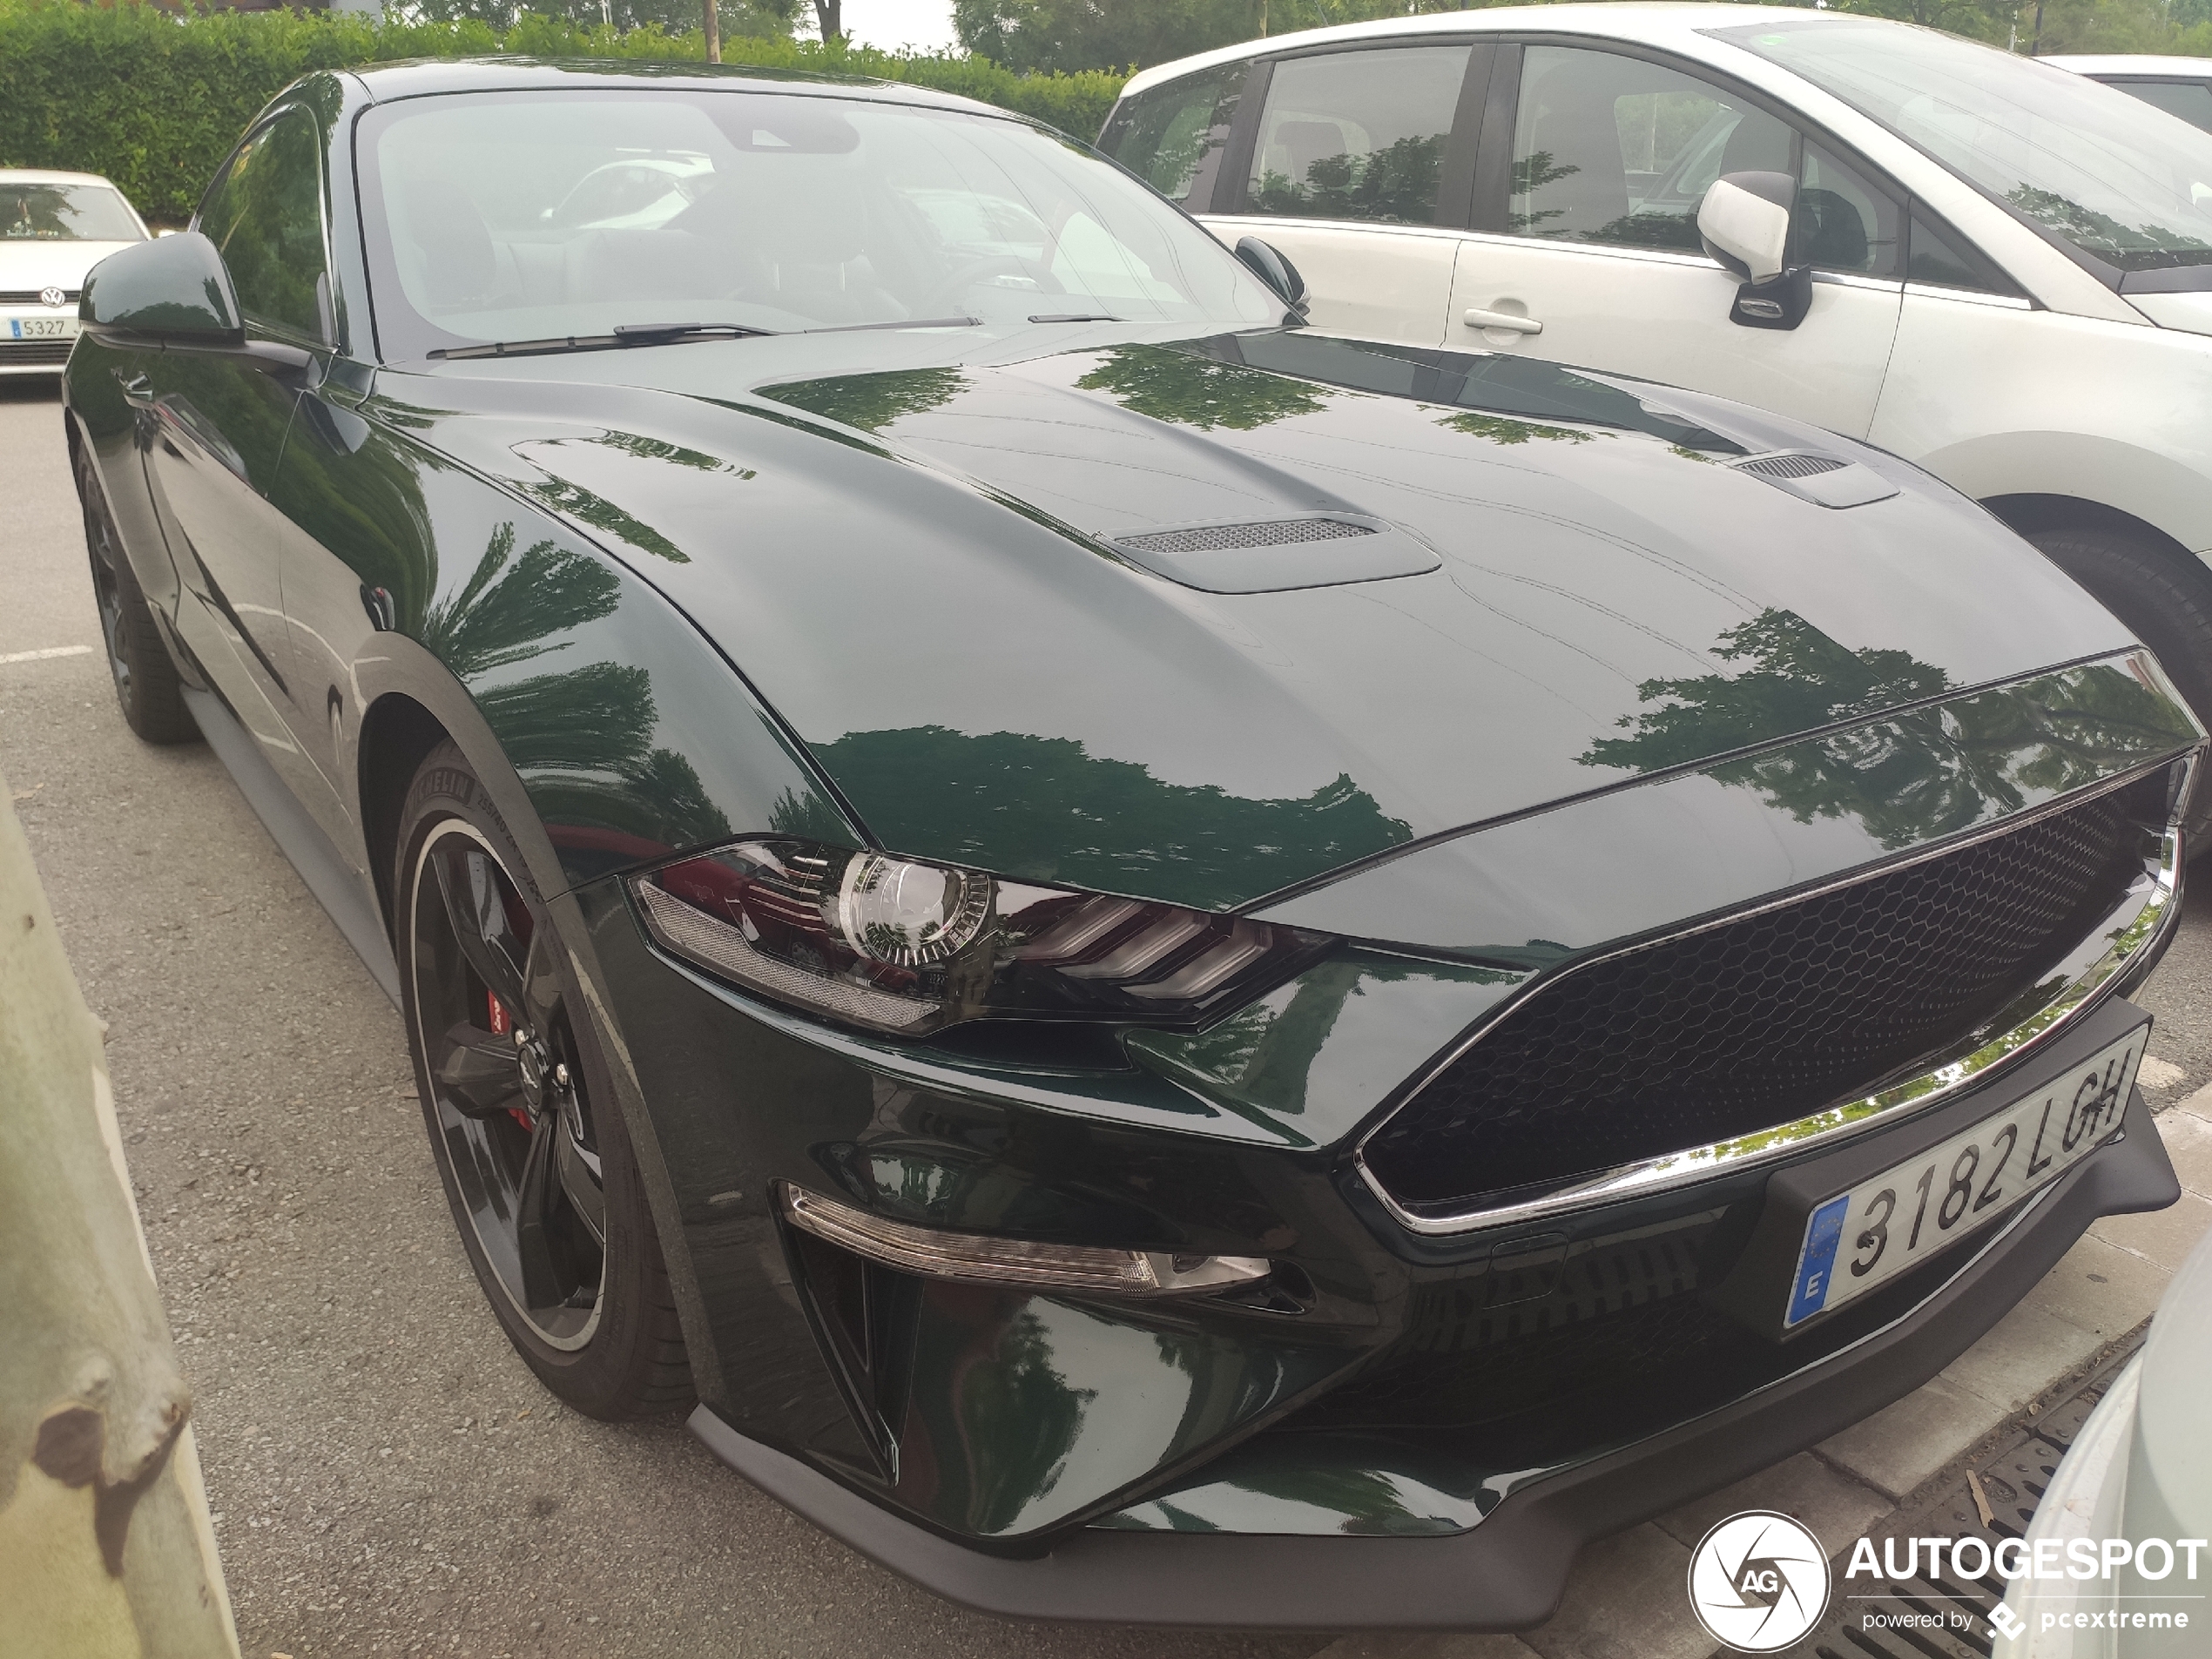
x=1013 y=1261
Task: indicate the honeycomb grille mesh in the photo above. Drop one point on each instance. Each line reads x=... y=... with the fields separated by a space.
x=1761 y=1021
x=1791 y=466
x=1208 y=538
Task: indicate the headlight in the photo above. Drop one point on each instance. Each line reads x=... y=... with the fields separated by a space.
x=909 y=948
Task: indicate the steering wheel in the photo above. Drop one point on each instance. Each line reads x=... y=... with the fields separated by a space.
x=966 y=276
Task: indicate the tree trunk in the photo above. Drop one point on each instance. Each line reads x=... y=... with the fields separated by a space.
x=830 y=14
x=713 y=32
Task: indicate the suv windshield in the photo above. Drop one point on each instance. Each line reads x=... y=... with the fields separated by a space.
x=65 y=213
x=2124 y=183
x=536 y=216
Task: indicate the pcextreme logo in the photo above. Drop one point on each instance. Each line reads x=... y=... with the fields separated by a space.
x=1759 y=1582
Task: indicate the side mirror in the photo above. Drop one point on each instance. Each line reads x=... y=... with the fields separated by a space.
x=1268 y=263
x=173 y=293
x=1745 y=224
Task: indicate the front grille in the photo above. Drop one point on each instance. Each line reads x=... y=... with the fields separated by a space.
x=1207 y=538
x=30 y=296
x=1766 y=1018
x=15 y=352
x=1791 y=466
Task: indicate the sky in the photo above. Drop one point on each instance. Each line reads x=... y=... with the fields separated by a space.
x=892 y=23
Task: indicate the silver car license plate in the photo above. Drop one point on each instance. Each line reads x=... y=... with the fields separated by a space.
x=1860 y=1240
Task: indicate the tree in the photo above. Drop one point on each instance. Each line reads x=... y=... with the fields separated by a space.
x=1031 y=36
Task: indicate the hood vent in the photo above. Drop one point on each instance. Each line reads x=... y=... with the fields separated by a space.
x=1825 y=481
x=1278 y=554
x=1210 y=538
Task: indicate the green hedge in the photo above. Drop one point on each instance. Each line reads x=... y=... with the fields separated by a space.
x=154 y=100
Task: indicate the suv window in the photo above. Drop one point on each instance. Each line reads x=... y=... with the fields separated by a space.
x=2191 y=100
x=1941 y=258
x=1170 y=136
x=265 y=214
x=1612 y=149
x=1356 y=134
x=1843 y=223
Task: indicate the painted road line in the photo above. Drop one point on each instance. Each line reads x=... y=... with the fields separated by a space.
x=41 y=656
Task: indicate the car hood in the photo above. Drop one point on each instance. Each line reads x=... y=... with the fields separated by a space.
x=32 y=264
x=929 y=572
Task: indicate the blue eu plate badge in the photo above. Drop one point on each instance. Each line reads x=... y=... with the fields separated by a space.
x=1809 y=1294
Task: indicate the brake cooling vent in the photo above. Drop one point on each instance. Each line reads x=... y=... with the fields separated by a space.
x=1766 y=1018
x=1211 y=539
x=1791 y=466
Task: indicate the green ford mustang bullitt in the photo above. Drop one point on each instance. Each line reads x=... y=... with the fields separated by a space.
x=1171 y=968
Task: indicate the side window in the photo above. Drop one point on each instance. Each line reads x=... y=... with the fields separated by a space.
x=1938 y=257
x=1611 y=149
x=1170 y=135
x=1357 y=135
x=1842 y=222
x=2191 y=100
x=265 y=214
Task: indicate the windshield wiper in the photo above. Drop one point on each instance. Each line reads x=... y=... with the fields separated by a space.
x=1075 y=316
x=667 y=334
x=628 y=333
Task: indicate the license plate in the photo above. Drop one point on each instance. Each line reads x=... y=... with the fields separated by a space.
x=41 y=327
x=1860 y=1240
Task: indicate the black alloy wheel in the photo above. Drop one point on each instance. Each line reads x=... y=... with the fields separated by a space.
x=146 y=684
x=528 y=1144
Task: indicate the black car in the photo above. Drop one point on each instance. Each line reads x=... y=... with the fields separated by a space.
x=1182 y=970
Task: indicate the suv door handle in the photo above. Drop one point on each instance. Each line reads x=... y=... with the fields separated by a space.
x=1478 y=319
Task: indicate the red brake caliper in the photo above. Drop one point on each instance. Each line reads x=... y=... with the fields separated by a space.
x=502 y=1024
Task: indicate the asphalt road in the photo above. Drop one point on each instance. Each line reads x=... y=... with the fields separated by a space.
x=386 y=1476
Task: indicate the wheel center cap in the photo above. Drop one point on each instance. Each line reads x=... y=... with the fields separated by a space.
x=530 y=1056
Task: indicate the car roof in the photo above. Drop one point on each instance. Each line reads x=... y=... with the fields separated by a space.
x=2194 y=69
x=48 y=176
x=1658 y=23
x=430 y=77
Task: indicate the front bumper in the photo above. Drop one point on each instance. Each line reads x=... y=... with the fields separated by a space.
x=1508 y=1572
x=1405 y=1429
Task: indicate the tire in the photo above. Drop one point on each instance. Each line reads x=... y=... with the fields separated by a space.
x=145 y=679
x=2166 y=604
x=540 y=1175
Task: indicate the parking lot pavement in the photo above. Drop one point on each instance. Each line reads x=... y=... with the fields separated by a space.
x=386 y=1476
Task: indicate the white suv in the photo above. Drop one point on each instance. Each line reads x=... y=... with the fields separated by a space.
x=2002 y=270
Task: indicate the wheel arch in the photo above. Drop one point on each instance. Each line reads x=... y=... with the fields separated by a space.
x=396 y=732
x=2028 y=513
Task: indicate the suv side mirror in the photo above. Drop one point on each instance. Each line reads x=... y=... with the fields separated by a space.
x=173 y=293
x=1745 y=224
x=1267 y=263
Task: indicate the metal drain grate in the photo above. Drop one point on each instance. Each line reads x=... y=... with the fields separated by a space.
x=1211 y=539
x=2012 y=1481
x=1791 y=465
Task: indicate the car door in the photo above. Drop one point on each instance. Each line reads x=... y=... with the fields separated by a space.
x=1587 y=249
x=1357 y=166
x=218 y=427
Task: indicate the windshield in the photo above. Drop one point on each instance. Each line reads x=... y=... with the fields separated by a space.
x=502 y=217
x=2122 y=182
x=66 y=213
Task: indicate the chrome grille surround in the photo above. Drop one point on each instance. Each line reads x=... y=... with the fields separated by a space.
x=2078 y=984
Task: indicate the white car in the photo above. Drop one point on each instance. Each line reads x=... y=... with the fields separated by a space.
x=2180 y=86
x=2138 y=1472
x=1997 y=269
x=54 y=228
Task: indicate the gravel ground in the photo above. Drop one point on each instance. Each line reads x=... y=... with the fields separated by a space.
x=386 y=1476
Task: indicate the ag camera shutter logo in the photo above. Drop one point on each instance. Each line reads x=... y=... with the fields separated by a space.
x=1759 y=1582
